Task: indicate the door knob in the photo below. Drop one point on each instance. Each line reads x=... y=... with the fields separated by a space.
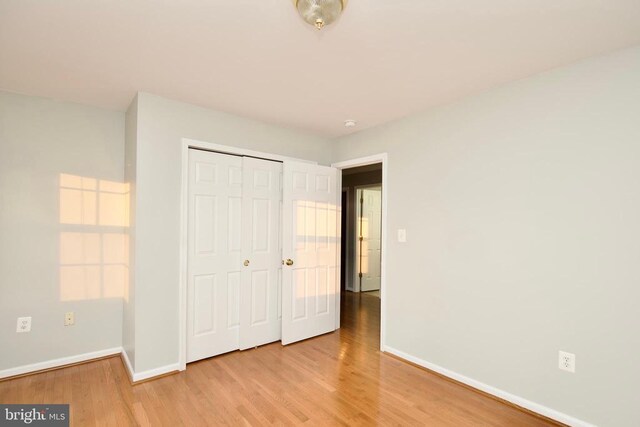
x=289 y=261
x=246 y=262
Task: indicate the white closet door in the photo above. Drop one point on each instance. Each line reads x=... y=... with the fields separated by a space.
x=310 y=241
x=260 y=293
x=370 y=228
x=215 y=254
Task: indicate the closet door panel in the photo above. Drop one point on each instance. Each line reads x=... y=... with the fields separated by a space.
x=262 y=195
x=215 y=254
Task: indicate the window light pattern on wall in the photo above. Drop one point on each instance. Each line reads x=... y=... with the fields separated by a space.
x=94 y=256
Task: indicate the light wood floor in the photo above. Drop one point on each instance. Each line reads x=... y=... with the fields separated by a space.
x=336 y=379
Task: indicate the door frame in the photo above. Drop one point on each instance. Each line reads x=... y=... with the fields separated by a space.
x=370 y=160
x=188 y=143
x=348 y=286
x=356 y=282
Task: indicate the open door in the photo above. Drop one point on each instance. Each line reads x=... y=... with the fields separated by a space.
x=369 y=227
x=310 y=251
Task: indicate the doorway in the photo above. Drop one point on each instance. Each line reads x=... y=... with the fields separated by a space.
x=362 y=249
x=362 y=228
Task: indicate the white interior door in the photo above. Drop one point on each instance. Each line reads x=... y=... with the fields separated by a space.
x=310 y=241
x=369 y=228
x=215 y=254
x=260 y=295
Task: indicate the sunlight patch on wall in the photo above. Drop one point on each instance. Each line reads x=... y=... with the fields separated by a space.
x=93 y=265
x=89 y=201
x=94 y=245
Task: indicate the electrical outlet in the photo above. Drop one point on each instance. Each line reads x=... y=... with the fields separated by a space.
x=24 y=324
x=402 y=235
x=69 y=318
x=567 y=361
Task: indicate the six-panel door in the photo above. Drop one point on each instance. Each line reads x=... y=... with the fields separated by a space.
x=215 y=254
x=310 y=241
x=261 y=285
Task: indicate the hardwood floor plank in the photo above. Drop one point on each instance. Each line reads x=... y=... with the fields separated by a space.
x=336 y=379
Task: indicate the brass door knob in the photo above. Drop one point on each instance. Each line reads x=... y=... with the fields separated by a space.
x=289 y=261
x=246 y=262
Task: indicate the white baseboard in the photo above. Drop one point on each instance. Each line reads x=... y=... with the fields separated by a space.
x=127 y=364
x=517 y=400
x=55 y=363
x=63 y=361
x=145 y=375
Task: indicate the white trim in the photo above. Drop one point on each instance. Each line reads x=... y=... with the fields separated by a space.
x=145 y=375
x=127 y=364
x=184 y=217
x=370 y=160
x=236 y=151
x=57 y=363
x=156 y=372
x=338 y=250
x=517 y=400
x=361 y=161
x=184 y=254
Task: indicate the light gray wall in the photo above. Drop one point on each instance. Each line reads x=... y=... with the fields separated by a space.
x=130 y=153
x=161 y=125
x=39 y=140
x=522 y=210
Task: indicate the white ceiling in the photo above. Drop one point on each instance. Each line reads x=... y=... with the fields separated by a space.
x=382 y=60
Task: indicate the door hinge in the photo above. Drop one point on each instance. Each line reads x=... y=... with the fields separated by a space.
x=360 y=275
x=361 y=238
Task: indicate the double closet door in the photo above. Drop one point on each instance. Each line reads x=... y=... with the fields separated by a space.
x=235 y=262
x=262 y=257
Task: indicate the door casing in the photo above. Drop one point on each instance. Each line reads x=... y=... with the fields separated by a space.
x=370 y=160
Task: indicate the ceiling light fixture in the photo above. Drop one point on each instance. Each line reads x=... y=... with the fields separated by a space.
x=350 y=123
x=320 y=12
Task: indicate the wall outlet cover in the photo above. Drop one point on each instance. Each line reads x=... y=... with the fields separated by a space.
x=567 y=361
x=69 y=318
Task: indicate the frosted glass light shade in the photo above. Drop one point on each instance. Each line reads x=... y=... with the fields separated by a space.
x=320 y=12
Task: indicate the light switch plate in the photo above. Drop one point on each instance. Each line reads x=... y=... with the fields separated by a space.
x=24 y=324
x=402 y=235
